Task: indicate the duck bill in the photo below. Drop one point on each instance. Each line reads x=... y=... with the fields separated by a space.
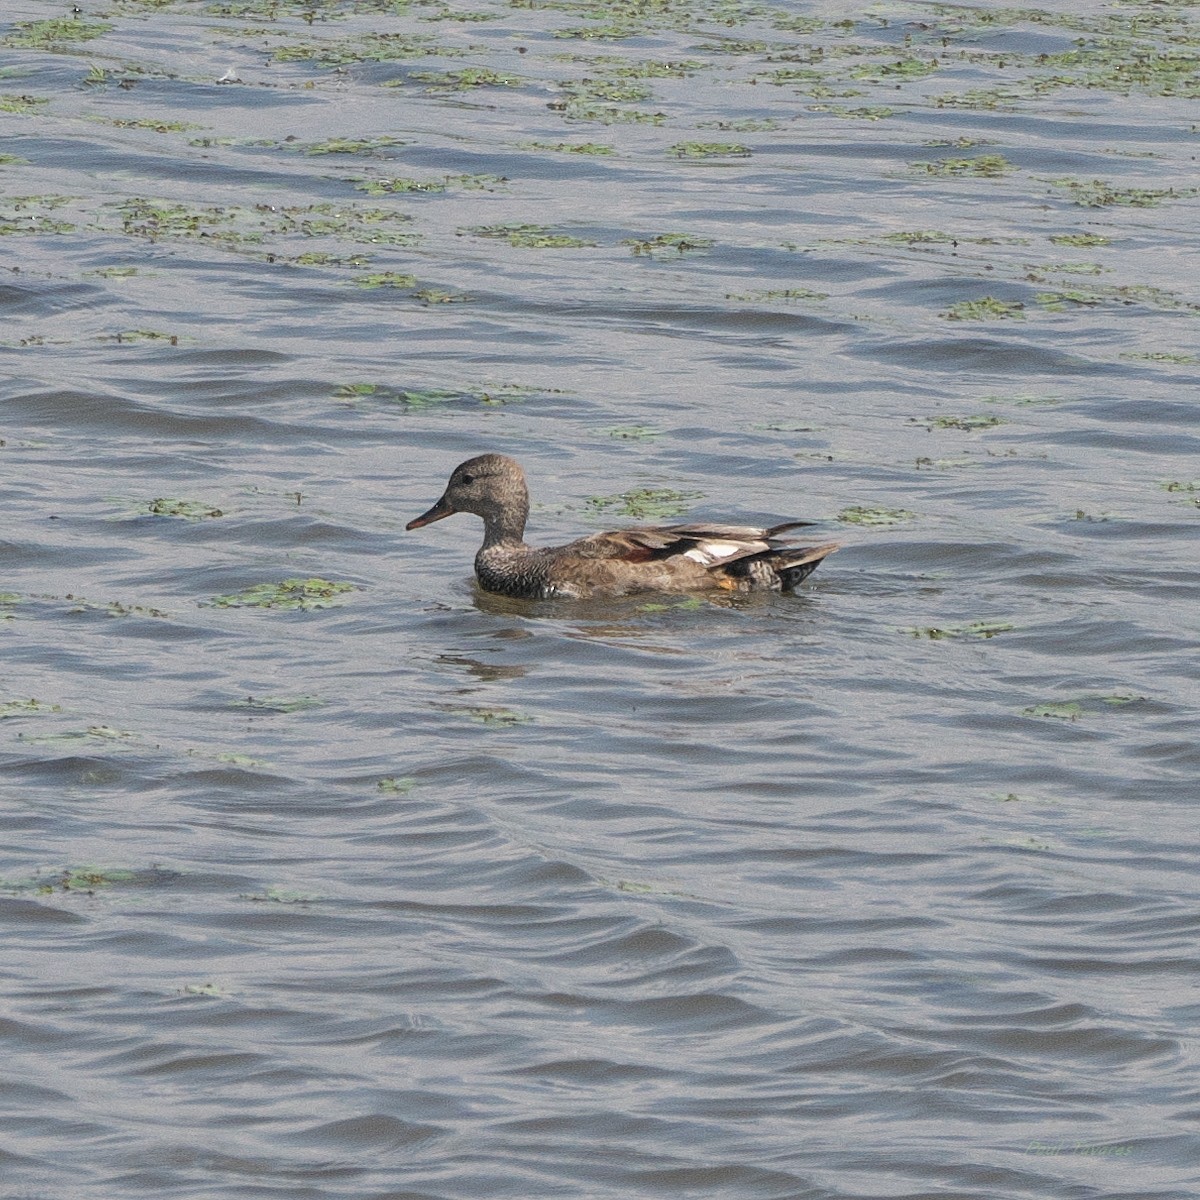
x=441 y=509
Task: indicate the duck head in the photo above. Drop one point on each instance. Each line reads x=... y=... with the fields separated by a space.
x=491 y=486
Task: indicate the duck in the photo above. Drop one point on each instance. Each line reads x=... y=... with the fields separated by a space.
x=623 y=562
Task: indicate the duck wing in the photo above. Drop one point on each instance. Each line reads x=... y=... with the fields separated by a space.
x=708 y=545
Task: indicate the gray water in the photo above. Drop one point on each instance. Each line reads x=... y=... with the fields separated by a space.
x=885 y=889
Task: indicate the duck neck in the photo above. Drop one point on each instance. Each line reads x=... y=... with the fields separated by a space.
x=505 y=525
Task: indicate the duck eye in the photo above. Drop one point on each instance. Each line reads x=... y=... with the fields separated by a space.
x=467 y=479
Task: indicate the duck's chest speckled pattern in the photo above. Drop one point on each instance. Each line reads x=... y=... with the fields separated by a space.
x=514 y=573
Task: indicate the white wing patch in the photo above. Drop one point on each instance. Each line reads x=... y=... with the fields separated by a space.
x=710 y=552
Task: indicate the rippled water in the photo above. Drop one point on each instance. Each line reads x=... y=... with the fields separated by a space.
x=883 y=889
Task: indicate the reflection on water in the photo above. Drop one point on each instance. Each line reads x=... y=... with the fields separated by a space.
x=327 y=873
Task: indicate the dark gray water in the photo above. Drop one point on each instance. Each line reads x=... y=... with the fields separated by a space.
x=887 y=889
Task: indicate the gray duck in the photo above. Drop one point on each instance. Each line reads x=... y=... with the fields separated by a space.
x=658 y=558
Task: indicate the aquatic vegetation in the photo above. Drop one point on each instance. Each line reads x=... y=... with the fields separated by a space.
x=875 y=517
x=744 y=125
x=595 y=149
x=277 y=704
x=987 y=308
x=126 y=336
x=970 y=424
x=1081 y=239
x=469 y=77
x=290 y=594
x=438 y=296
x=1065 y=710
x=644 y=504
x=280 y=895
x=399 y=786
x=360 y=146
x=72 y=737
x=919 y=237
x=1094 y=295
x=983 y=166
x=405 y=185
x=26 y=708
x=1064 y=268
x=151 y=123
x=583 y=108
x=420 y=398
x=634 y=433
x=669 y=244
x=1095 y=193
x=972 y=629
x=911 y=67
x=1072 y=710
x=189 y=510
x=504 y=718
x=688 y=604
x=111 y=608
x=535 y=237
x=215 y=991
x=386 y=279
x=766 y=294
x=57 y=34
x=317 y=258
x=862 y=112
x=709 y=150
x=370 y=47
x=1160 y=356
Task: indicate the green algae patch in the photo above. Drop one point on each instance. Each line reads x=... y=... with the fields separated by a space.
x=1175 y=358
x=972 y=629
x=1081 y=240
x=709 y=150
x=277 y=704
x=385 y=279
x=21 y=105
x=396 y=785
x=290 y=594
x=690 y=604
x=969 y=424
x=466 y=78
x=1096 y=193
x=86 y=879
x=1093 y=295
x=416 y=399
x=644 y=503
x=1072 y=710
x=593 y=149
x=58 y=34
x=213 y=991
x=634 y=433
x=669 y=245
x=986 y=308
x=983 y=166
x=875 y=517
x=91 y=735
x=496 y=717
x=528 y=237
x=281 y=895
x=766 y=295
x=371 y=47
x=114 y=608
x=25 y=708
x=188 y=510
x=369 y=147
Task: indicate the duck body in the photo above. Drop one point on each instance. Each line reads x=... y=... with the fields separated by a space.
x=658 y=558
